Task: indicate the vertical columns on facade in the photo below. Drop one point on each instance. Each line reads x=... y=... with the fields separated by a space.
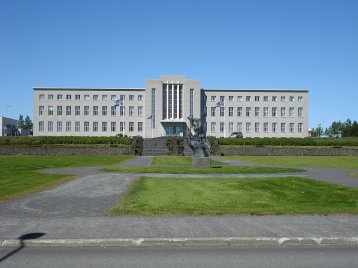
x=173 y=91
x=167 y=100
x=177 y=100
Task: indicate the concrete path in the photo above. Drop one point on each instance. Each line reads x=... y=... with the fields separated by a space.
x=77 y=210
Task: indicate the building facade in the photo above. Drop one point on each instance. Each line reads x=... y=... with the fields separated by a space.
x=162 y=108
x=8 y=126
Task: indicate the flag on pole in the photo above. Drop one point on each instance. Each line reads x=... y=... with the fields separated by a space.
x=220 y=103
x=118 y=103
x=150 y=117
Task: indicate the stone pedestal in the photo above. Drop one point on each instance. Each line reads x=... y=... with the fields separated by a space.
x=201 y=162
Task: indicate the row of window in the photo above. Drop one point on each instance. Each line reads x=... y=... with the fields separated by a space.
x=87 y=111
x=256 y=111
x=86 y=97
x=87 y=127
x=258 y=98
x=250 y=127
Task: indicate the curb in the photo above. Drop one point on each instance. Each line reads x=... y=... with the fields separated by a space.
x=157 y=242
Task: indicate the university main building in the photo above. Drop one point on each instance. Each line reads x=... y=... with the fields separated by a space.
x=162 y=108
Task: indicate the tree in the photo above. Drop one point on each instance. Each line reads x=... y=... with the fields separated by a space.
x=28 y=123
x=21 y=122
x=335 y=130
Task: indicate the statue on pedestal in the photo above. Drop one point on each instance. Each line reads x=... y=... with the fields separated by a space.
x=197 y=141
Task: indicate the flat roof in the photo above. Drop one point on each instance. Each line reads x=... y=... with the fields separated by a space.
x=256 y=90
x=87 y=89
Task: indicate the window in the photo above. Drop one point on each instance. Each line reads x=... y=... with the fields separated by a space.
x=213 y=109
x=122 y=97
x=140 y=126
x=248 y=98
x=283 y=127
x=266 y=98
x=50 y=97
x=292 y=127
x=248 y=111
x=231 y=111
x=283 y=111
x=59 y=126
x=78 y=97
x=113 y=97
x=222 y=111
x=86 y=126
x=131 y=110
x=222 y=98
x=59 y=96
x=300 y=99
x=292 y=98
x=131 y=126
x=140 y=97
x=231 y=98
x=274 y=111
x=104 y=110
x=122 y=126
x=257 y=111
x=248 y=127
x=283 y=98
x=231 y=127
x=300 y=127
x=274 y=98
x=113 y=110
x=222 y=127
x=213 y=98
x=77 y=126
x=104 y=97
x=265 y=127
x=140 y=110
x=86 y=97
x=68 y=110
x=274 y=127
x=213 y=127
x=257 y=127
x=104 y=126
x=300 y=112
x=122 y=111
x=292 y=111
x=95 y=110
x=95 y=126
x=50 y=110
x=41 y=96
x=77 y=110
x=68 y=126
x=95 y=97
x=68 y=97
x=86 y=110
x=239 y=111
x=41 y=126
x=257 y=98
x=239 y=98
x=131 y=97
x=266 y=111
x=59 y=110
x=239 y=127
x=113 y=126
x=41 y=109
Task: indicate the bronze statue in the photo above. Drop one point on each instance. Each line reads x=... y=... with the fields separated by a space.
x=198 y=141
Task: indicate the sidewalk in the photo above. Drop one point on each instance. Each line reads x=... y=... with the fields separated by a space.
x=75 y=212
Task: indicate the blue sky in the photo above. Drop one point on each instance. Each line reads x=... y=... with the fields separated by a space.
x=252 y=44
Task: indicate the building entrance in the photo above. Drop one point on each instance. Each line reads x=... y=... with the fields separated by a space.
x=174 y=129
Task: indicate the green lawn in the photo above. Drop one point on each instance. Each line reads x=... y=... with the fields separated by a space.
x=20 y=175
x=215 y=196
x=343 y=162
x=182 y=165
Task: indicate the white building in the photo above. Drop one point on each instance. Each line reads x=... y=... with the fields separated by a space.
x=8 y=126
x=162 y=108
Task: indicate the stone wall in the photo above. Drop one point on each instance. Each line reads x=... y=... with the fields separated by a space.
x=29 y=150
x=284 y=151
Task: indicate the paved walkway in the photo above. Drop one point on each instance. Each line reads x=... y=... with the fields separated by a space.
x=77 y=210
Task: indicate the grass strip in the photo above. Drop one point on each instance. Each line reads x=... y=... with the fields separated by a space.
x=21 y=175
x=234 y=196
x=341 y=162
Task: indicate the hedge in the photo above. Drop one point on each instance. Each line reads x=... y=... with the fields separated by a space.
x=290 y=141
x=63 y=140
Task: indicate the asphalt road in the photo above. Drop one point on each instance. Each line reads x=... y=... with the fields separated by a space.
x=181 y=257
